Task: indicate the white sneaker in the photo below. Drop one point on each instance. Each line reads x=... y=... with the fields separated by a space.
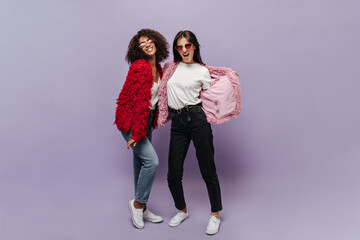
x=178 y=218
x=136 y=215
x=213 y=225
x=151 y=217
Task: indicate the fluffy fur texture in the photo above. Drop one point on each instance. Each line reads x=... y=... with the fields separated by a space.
x=133 y=103
x=212 y=97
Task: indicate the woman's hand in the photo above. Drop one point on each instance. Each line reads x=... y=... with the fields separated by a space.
x=131 y=143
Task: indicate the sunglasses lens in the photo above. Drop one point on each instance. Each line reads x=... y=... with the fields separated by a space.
x=187 y=46
x=142 y=45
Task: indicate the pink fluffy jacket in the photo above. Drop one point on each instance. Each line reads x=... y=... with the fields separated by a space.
x=220 y=102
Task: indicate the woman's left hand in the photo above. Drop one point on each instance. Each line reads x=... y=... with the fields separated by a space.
x=131 y=143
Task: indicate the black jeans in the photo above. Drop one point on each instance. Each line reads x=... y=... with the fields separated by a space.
x=186 y=126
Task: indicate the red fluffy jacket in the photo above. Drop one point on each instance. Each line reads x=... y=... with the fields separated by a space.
x=133 y=103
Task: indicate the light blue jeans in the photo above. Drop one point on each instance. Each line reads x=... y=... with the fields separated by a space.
x=145 y=161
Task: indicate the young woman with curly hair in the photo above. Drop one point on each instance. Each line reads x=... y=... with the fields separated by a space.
x=194 y=95
x=136 y=115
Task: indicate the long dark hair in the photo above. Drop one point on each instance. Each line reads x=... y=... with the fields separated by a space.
x=191 y=38
x=134 y=52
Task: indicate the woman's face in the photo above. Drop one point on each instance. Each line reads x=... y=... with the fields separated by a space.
x=186 y=50
x=147 y=45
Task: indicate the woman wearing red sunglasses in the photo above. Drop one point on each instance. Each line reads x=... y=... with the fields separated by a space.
x=194 y=95
x=136 y=115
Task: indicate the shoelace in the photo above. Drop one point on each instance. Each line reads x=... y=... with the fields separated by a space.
x=138 y=213
x=212 y=221
x=150 y=213
x=178 y=216
x=154 y=215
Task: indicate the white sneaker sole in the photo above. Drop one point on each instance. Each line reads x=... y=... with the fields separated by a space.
x=132 y=217
x=159 y=220
x=178 y=223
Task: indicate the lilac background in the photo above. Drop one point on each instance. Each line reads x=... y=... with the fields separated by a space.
x=288 y=166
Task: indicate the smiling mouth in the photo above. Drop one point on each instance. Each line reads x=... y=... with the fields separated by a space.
x=149 y=49
x=186 y=55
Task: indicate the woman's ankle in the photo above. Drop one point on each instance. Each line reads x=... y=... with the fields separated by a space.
x=216 y=214
x=138 y=205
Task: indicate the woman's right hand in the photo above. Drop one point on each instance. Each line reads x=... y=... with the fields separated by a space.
x=131 y=143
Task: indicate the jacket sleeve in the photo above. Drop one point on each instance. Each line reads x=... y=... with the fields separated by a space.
x=141 y=86
x=222 y=101
x=124 y=101
x=164 y=115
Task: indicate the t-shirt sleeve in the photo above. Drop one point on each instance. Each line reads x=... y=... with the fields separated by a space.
x=207 y=80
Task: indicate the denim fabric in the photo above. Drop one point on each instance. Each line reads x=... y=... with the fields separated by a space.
x=145 y=162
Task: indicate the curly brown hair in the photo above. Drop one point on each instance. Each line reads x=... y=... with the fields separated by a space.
x=134 y=52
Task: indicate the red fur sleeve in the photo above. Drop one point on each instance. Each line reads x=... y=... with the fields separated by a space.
x=134 y=100
x=142 y=102
x=125 y=102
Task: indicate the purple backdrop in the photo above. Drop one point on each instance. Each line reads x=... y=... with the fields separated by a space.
x=288 y=166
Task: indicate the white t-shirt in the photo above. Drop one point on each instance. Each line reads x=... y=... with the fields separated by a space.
x=184 y=86
x=154 y=94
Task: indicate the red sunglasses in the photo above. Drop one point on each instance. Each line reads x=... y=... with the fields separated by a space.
x=187 y=46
